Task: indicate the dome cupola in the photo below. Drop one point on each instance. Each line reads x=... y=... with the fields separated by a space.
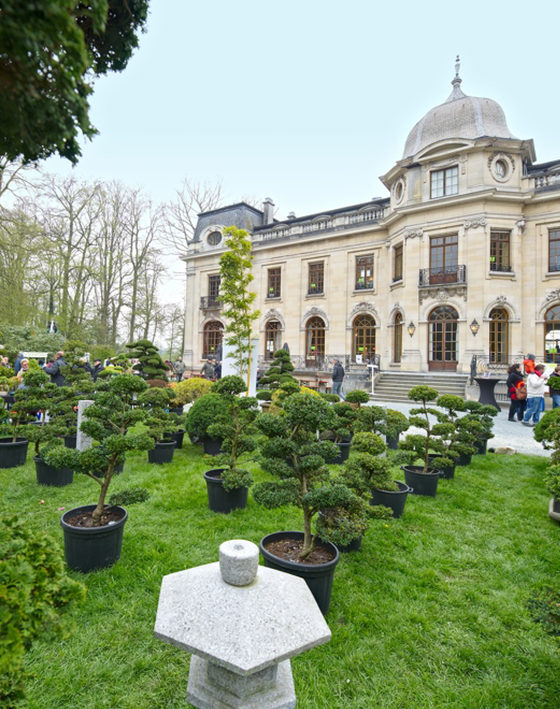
x=460 y=117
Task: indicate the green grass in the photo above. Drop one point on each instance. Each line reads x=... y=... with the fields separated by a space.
x=431 y=613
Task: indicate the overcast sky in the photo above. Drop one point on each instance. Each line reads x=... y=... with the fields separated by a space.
x=308 y=101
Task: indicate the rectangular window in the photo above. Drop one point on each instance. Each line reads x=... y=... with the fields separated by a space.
x=364 y=272
x=315 y=283
x=274 y=282
x=398 y=263
x=443 y=259
x=213 y=286
x=444 y=182
x=500 y=251
x=554 y=250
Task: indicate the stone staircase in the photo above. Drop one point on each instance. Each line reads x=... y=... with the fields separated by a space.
x=394 y=386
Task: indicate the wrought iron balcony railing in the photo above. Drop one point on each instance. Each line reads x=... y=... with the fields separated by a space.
x=442 y=276
x=210 y=302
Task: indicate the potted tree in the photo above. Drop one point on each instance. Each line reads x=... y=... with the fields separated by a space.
x=342 y=430
x=395 y=424
x=161 y=423
x=278 y=381
x=422 y=479
x=291 y=452
x=450 y=434
x=202 y=414
x=547 y=431
x=228 y=484
x=14 y=429
x=372 y=419
x=357 y=397
x=93 y=533
x=367 y=471
x=149 y=363
x=482 y=417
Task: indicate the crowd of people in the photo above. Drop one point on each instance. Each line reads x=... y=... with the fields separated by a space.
x=527 y=388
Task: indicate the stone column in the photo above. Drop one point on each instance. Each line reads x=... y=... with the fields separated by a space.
x=192 y=302
x=83 y=441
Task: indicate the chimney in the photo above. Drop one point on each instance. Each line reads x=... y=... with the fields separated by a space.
x=291 y=215
x=268 y=210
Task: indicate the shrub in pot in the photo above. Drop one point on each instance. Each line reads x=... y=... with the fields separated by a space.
x=150 y=365
x=278 y=380
x=161 y=422
x=188 y=390
x=369 y=472
x=227 y=483
x=372 y=419
x=395 y=423
x=450 y=434
x=34 y=589
x=422 y=479
x=342 y=429
x=357 y=397
x=202 y=414
x=547 y=431
x=345 y=526
x=482 y=418
x=291 y=452
x=16 y=426
x=93 y=533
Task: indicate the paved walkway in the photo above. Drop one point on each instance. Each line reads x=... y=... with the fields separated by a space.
x=506 y=433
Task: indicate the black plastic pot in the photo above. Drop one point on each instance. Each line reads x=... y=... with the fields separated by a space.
x=177 y=436
x=89 y=548
x=212 y=446
x=70 y=441
x=221 y=500
x=176 y=410
x=13 y=453
x=344 y=452
x=481 y=447
x=554 y=509
x=354 y=545
x=421 y=483
x=395 y=499
x=392 y=442
x=162 y=453
x=318 y=577
x=49 y=475
x=464 y=459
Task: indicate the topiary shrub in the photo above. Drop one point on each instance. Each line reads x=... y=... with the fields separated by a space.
x=419 y=446
x=189 y=390
x=130 y=496
x=357 y=396
x=34 y=588
x=367 y=469
x=203 y=413
x=150 y=365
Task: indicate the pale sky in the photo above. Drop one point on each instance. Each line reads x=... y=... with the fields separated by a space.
x=308 y=102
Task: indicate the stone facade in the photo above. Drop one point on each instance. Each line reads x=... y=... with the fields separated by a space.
x=461 y=259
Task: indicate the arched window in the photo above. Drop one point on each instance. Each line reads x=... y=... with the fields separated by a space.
x=213 y=335
x=314 y=342
x=442 y=345
x=363 y=338
x=552 y=334
x=397 y=337
x=272 y=338
x=499 y=336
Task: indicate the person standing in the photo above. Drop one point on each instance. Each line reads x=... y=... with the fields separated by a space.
x=529 y=363
x=97 y=367
x=536 y=382
x=207 y=370
x=179 y=368
x=337 y=379
x=517 y=406
x=555 y=391
x=54 y=369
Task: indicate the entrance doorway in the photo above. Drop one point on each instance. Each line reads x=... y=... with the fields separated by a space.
x=442 y=344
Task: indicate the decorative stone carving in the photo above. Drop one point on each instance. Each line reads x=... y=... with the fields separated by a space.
x=413 y=233
x=520 y=224
x=552 y=295
x=475 y=223
x=442 y=294
x=314 y=312
x=362 y=308
x=273 y=314
x=501 y=299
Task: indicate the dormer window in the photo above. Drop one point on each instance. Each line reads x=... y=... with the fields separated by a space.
x=214 y=238
x=444 y=182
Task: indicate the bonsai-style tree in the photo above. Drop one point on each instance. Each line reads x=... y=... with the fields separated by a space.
x=235 y=426
x=63 y=410
x=150 y=364
x=455 y=433
x=357 y=396
x=482 y=417
x=372 y=419
x=291 y=452
x=235 y=296
x=23 y=412
x=108 y=421
x=547 y=432
x=278 y=379
x=188 y=390
x=203 y=413
x=367 y=469
x=161 y=423
x=343 y=422
x=6 y=374
x=395 y=424
x=41 y=395
x=34 y=589
x=418 y=445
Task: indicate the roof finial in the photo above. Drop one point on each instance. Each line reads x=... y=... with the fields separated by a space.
x=456 y=83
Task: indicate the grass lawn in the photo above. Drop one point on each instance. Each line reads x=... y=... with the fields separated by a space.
x=431 y=613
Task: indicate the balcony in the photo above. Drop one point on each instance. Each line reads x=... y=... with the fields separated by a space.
x=210 y=302
x=442 y=276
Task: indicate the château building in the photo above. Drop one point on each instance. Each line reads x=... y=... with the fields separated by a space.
x=461 y=258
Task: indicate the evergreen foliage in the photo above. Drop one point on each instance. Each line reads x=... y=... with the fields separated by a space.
x=150 y=364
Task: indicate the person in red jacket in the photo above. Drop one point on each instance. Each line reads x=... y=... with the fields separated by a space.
x=529 y=363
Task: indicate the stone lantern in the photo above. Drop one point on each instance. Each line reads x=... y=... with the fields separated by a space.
x=242 y=622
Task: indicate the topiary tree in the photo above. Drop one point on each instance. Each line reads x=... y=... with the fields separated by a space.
x=367 y=469
x=202 y=414
x=343 y=422
x=357 y=396
x=235 y=426
x=482 y=417
x=23 y=411
x=150 y=364
x=372 y=419
x=78 y=384
x=188 y=390
x=418 y=445
x=236 y=298
x=161 y=422
x=278 y=378
x=291 y=452
x=34 y=589
x=41 y=395
x=109 y=421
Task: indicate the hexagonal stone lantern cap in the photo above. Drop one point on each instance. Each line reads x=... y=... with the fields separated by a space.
x=244 y=628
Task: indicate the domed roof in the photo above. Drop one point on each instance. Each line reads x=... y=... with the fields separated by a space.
x=461 y=116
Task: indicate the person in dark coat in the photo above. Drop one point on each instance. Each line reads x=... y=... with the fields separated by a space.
x=54 y=369
x=97 y=367
x=337 y=379
x=517 y=406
